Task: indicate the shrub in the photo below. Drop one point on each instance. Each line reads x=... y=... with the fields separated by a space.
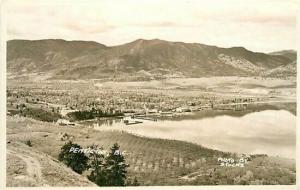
x=40 y=114
x=77 y=161
x=28 y=143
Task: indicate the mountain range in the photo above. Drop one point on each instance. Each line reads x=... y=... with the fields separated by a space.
x=141 y=60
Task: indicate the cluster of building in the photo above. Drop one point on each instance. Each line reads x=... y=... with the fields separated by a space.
x=109 y=101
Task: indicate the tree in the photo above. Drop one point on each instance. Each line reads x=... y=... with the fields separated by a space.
x=98 y=174
x=115 y=167
x=77 y=161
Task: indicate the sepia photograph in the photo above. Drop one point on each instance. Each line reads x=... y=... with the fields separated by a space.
x=105 y=93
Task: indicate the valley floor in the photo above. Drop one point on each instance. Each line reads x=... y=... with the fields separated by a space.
x=153 y=161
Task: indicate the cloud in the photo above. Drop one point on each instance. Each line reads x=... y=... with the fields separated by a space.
x=289 y=21
x=87 y=27
x=260 y=25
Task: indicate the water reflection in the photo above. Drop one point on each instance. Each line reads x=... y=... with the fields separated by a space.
x=271 y=132
x=107 y=122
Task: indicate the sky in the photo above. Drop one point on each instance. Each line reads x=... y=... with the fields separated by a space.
x=258 y=25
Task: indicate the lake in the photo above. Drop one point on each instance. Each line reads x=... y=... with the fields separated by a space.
x=271 y=132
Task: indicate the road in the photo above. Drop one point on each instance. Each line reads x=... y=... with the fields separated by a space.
x=33 y=167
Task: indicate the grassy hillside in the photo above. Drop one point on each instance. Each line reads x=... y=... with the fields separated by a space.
x=28 y=167
x=138 y=60
x=155 y=161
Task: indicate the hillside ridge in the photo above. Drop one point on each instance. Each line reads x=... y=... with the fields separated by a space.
x=139 y=60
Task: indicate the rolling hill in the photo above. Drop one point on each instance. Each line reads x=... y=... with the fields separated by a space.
x=140 y=60
x=291 y=54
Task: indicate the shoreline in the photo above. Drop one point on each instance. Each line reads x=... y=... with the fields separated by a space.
x=210 y=113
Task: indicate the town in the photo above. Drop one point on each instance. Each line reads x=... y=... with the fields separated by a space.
x=66 y=106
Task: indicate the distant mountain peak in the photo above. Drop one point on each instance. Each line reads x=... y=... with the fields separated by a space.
x=149 y=41
x=283 y=51
x=155 y=57
x=291 y=54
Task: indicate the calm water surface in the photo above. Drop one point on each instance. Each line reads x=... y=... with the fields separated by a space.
x=271 y=132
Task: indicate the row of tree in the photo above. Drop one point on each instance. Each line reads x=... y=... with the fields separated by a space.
x=92 y=114
x=105 y=170
x=36 y=113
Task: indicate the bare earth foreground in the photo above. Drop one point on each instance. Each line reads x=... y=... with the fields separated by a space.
x=29 y=167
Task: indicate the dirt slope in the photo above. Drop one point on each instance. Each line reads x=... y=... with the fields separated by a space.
x=28 y=167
